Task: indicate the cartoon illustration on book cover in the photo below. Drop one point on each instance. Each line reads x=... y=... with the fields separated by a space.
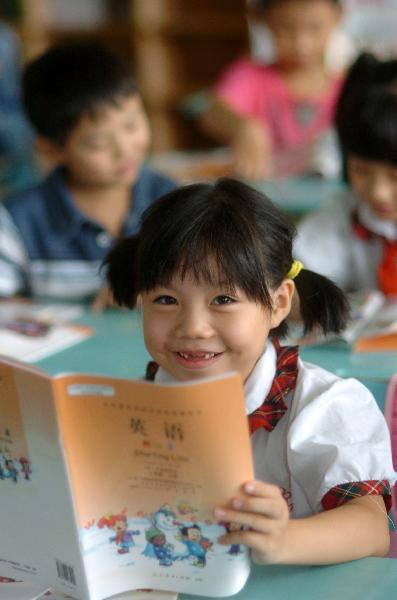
x=124 y=537
x=15 y=465
x=170 y=537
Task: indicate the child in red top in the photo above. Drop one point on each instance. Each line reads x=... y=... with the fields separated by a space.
x=261 y=109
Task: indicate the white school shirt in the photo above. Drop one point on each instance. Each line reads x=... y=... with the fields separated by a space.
x=327 y=244
x=332 y=433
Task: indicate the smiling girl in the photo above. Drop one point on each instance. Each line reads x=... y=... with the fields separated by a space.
x=214 y=273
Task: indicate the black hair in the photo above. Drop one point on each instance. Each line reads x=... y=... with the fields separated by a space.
x=221 y=231
x=70 y=80
x=263 y=5
x=366 y=115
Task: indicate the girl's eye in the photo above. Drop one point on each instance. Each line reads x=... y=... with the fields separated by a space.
x=359 y=168
x=220 y=300
x=165 y=300
x=96 y=145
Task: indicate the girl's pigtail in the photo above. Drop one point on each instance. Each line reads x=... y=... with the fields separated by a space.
x=121 y=271
x=323 y=305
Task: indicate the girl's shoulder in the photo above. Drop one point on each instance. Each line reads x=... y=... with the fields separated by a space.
x=323 y=397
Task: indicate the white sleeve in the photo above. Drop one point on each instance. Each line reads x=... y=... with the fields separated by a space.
x=337 y=436
x=323 y=244
x=13 y=257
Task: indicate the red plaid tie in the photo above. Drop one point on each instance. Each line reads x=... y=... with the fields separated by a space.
x=387 y=268
x=274 y=407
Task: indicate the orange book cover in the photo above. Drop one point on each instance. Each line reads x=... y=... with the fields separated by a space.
x=138 y=468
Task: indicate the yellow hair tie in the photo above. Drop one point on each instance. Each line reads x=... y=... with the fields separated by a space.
x=295 y=269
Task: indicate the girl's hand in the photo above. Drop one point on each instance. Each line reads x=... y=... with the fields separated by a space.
x=263 y=513
x=104 y=299
x=252 y=150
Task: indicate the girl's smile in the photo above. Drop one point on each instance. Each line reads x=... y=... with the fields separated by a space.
x=197 y=359
x=194 y=329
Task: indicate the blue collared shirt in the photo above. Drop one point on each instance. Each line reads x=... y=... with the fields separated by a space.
x=49 y=248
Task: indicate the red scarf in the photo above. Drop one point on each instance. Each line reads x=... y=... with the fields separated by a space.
x=387 y=268
x=274 y=407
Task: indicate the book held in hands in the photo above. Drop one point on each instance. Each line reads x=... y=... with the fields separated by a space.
x=109 y=485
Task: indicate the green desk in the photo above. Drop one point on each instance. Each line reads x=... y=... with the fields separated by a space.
x=366 y=579
x=117 y=349
x=299 y=196
x=372 y=369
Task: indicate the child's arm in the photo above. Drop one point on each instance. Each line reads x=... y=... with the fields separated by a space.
x=354 y=530
x=248 y=138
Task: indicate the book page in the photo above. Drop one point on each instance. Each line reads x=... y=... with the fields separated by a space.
x=38 y=536
x=148 y=463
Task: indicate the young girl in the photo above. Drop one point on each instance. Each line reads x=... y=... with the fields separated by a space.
x=215 y=276
x=354 y=240
x=260 y=109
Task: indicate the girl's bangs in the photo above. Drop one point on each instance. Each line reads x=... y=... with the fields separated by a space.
x=212 y=260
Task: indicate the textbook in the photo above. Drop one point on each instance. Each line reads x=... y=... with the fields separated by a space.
x=31 y=331
x=375 y=320
x=109 y=485
x=372 y=326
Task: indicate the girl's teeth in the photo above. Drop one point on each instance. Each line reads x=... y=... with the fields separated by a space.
x=205 y=356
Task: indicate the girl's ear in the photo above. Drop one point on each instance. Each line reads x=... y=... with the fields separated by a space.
x=282 y=299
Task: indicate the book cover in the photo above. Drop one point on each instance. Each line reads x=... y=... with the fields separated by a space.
x=118 y=481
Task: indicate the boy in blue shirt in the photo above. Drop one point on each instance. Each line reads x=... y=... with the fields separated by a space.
x=85 y=106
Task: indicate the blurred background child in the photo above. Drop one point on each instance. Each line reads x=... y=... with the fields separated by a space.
x=354 y=240
x=90 y=121
x=261 y=109
x=17 y=168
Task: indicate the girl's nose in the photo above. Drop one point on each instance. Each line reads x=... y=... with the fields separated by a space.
x=121 y=146
x=194 y=324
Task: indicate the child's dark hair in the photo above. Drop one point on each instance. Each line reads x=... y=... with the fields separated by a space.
x=70 y=80
x=366 y=116
x=222 y=231
x=263 y=5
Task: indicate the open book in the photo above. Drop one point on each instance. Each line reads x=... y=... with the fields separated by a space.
x=372 y=326
x=109 y=485
x=31 y=331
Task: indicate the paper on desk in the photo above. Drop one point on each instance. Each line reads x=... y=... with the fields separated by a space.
x=133 y=595
x=32 y=331
x=20 y=590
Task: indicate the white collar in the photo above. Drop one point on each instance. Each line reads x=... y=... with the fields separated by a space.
x=379 y=226
x=258 y=384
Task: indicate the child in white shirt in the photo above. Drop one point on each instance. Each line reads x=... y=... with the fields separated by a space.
x=354 y=240
x=215 y=277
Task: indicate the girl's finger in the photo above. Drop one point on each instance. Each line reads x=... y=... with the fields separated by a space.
x=256 y=522
x=257 y=542
x=261 y=489
x=273 y=508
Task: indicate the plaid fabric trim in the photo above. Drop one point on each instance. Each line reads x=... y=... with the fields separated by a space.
x=274 y=407
x=340 y=494
x=151 y=370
